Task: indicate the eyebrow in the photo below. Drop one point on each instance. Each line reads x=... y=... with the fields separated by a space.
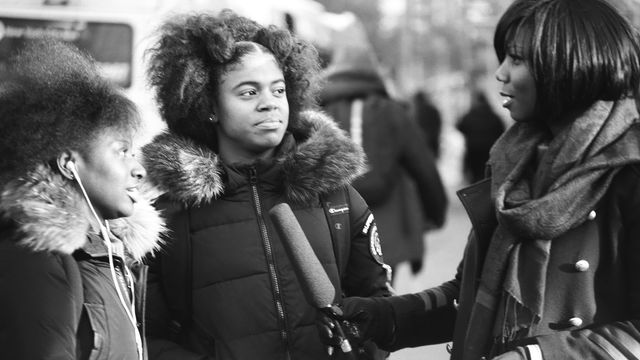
x=256 y=83
x=123 y=141
x=515 y=48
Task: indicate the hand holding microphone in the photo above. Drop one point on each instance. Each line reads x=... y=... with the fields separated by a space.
x=315 y=283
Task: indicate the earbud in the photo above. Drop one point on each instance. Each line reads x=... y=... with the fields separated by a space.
x=71 y=166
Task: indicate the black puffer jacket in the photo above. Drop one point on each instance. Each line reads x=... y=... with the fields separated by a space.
x=246 y=302
x=57 y=297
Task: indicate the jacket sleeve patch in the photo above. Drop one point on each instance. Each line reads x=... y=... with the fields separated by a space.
x=374 y=244
x=367 y=224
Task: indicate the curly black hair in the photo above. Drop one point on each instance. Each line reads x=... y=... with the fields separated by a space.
x=193 y=51
x=53 y=99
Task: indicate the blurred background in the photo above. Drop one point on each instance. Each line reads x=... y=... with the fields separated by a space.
x=442 y=48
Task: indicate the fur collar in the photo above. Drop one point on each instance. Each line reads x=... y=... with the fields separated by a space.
x=324 y=159
x=51 y=215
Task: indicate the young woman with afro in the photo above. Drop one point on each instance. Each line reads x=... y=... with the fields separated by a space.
x=73 y=225
x=243 y=136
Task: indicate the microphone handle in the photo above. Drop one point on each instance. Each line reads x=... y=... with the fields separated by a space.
x=345 y=345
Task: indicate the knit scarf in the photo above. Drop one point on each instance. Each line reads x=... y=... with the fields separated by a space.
x=538 y=197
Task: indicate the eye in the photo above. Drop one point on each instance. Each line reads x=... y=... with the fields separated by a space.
x=516 y=59
x=125 y=152
x=280 y=91
x=248 y=92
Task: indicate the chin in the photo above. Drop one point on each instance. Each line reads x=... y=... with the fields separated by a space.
x=270 y=143
x=120 y=213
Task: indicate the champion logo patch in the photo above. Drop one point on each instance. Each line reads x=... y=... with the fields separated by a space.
x=338 y=210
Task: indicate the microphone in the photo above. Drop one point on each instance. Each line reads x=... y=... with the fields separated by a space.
x=315 y=283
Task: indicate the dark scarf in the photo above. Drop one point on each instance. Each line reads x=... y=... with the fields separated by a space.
x=538 y=200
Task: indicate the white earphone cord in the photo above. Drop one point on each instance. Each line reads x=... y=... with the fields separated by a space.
x=104 y=230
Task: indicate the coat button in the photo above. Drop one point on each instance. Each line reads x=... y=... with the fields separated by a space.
x=582 y=265
x=592 y=215
x=575 y=321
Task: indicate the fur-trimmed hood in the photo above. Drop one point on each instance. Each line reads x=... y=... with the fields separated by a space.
x=323 y=159
x=51 y=215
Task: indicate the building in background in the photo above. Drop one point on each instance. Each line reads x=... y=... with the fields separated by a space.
x=117 y=32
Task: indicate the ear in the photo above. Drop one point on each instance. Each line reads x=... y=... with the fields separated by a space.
x=213 y=111
x=63 y=160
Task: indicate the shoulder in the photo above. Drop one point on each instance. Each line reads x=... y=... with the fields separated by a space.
x=384 y=105
x=38 y=279
x=23 y=264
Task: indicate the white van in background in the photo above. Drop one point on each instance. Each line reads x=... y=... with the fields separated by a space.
x=117 y=32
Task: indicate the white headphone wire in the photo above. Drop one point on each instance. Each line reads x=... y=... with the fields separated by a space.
x=104 y=229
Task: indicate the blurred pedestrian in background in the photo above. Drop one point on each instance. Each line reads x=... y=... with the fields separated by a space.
x=481 y=127
x=549 y=270
x=73 y=227
x=427 y=115
x=403 y=186
x=242 y=137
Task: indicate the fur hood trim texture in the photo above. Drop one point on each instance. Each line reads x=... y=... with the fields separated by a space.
x=52 y=215
x=323 y=160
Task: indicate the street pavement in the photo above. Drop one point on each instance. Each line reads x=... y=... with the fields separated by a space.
x=444 y=249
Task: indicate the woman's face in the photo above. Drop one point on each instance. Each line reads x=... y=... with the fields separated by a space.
x=110 y=174
x=252 y=111
x=518 y=85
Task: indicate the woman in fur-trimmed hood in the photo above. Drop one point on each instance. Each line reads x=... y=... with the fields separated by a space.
x=72 y=228
x=242 y=137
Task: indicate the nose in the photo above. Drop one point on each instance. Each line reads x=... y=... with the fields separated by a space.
x=138 y=171
x=501 y=72
x=267 y=101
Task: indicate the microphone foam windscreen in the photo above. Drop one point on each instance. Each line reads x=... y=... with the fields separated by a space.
x=315 y=283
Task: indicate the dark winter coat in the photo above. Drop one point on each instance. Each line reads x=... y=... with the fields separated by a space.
x=394 y=145
x=57 y=299
x=481 y=127
x=592 y=305
x=225 y=287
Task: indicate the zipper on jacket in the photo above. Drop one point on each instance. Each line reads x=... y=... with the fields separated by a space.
x=253 y=181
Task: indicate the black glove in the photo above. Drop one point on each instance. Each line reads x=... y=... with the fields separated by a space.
x=337 y=333
x=373 y=317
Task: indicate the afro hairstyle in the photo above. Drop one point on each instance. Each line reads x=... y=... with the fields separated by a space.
x=192 y=53
x=53 y=99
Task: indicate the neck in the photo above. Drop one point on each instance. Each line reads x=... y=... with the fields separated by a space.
x=233 y=156
x=557 y=125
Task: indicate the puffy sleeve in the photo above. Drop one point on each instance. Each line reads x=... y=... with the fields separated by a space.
x=166 y=308
x=40 y=304
x=366 y=273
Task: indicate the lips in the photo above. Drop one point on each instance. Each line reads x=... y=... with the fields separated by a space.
x=133 y=194
x=269 y=124
x=507 y=99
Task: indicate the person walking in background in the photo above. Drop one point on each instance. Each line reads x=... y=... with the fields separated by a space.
x=403 y=186
x=481 y=127
x=73 y=226
x=242 y=137
x=428 y=117
x=549 y=271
